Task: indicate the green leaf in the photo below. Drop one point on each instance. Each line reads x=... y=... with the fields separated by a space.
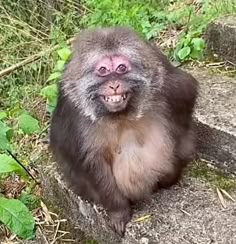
x=64 y=53
x=30 y=201
x=198 y=43
x=3 y=115
x=50 y=108
x=60 y=65
x=6 y=130
x=6 y=134
x=4 y=142
x=28 y=124
x=54 y=76
x=184 y=52
x=9 y=165
x=196 y=54
x=51 y=93
x=16 y=216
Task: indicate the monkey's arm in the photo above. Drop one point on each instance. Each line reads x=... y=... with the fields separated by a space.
x=87 y=172
x=110 y=197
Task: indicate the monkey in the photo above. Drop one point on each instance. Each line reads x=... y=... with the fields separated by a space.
x=123 y=125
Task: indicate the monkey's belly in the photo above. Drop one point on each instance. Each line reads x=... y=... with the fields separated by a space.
x=137 y=166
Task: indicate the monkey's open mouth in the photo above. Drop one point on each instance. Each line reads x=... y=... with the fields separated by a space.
x=115 y=98
x=115 y=102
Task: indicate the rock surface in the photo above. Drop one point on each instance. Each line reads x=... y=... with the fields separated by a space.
x=221 y=38
x=189 y=212
x=216 y=119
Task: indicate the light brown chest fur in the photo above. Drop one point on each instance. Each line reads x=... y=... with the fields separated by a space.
x=141 y=153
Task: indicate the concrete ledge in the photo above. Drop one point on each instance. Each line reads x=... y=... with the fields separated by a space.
x=221 y=38
x=189 y=212
x=216 y=119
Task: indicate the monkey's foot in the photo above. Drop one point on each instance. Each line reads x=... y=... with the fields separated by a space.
x=119 y=219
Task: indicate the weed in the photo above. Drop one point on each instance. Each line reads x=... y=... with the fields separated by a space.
x=215 y=177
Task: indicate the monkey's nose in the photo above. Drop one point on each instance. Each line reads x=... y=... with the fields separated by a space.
x=114 y=87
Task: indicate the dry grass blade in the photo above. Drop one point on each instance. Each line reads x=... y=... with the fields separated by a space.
x=30 y=59
x=68 y=240
x=143 y=218
x=55 y=234
x=227 y=195
x=48 y=218
x=221 y=198
x=44 y=237
x=185 y=212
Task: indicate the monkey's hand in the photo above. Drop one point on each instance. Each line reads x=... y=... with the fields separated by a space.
x=119 y=219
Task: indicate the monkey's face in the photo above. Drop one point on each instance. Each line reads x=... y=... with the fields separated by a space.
x=114 y=91
x=117 y=87
x=110 y=74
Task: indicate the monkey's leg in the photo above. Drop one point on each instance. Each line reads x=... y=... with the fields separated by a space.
x=169 y=179
x=184 y=153
x=77 y=180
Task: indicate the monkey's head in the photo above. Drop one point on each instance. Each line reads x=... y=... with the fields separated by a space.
x=112 y=72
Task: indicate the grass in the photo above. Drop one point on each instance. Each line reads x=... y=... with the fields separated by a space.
x=27 y=27
x=215 y=177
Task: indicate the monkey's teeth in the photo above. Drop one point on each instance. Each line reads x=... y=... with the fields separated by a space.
x=115 y=98
x=124 y=96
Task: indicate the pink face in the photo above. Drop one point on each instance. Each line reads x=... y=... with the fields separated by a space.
x=114 y=93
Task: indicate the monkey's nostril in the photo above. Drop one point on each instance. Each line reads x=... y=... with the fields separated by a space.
x=114 y=88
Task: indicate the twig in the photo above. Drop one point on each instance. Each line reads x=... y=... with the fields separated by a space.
x=221 y=198
x=46 y=213
x=227 y=195
x=26 y=170
x=30 y=59
x=44 y=237
x=55 y=235
x=185 y=212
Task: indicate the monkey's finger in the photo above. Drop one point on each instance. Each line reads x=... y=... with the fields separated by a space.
x=119 y=227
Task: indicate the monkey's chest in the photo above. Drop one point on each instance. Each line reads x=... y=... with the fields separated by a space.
x=139 y=161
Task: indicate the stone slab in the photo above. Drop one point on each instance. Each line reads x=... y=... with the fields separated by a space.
x=216 y=119
x=221 y=38
x=189 y=212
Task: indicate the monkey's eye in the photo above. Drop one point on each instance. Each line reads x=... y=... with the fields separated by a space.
x=103 y=71
x=121 y=69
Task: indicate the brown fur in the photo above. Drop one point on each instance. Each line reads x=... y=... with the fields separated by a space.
x=118 y=158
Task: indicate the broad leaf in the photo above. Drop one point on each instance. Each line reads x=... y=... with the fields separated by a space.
x=6 y=129
x=184 y=52
x=6 y=134
x=60 y=65
x=51 y=93
x=9 y=165
x=4 y=142
x=31 y=201
x=28 y=124
x=16 y=216
x=196 y=54
x=54 y=76
x=64 y=53
x=3 y=115
x=198 y=44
